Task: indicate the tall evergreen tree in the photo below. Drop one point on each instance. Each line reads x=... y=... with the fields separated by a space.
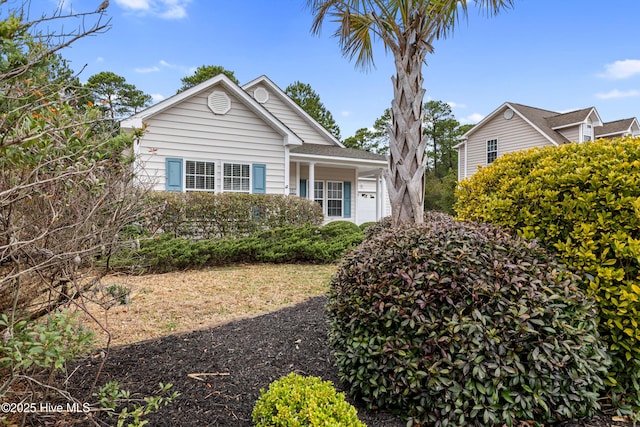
x=204 y=73
x=309 y=100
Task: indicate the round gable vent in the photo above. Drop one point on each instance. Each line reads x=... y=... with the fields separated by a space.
x=261 y=95
x=219 y=102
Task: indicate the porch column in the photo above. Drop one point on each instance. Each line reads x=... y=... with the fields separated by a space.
x=382 y=198
x=298 y=189
x=378 y=196
x=312 y=181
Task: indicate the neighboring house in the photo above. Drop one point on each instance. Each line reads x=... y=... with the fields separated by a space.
x=514 y=127
x=220 y=137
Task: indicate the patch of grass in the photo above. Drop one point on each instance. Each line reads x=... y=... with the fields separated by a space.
x=205 y=298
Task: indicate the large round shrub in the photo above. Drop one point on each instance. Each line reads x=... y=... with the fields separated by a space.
x=453 y=323
x=297 y=401
x=583 y=202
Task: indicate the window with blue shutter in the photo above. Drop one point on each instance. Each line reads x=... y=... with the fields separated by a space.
x=347 y=199
x=259 y=179
x=173 y=173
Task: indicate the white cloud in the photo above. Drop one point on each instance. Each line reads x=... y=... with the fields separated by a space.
x=622 y=69
x=454 y=104
x=166 y=64
x=473 y=118
x=156 y=97
x=615 y=93
x=345 y=113
x=165 y=9
x=147 y=70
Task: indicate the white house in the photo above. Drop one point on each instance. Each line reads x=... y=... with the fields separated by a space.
x=221 y=137
x=513 y=127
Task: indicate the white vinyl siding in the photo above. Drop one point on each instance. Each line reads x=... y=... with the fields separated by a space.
x=200 y=176
x=236 y=177
x=572 y=133
x=190 y=130
x=292 y=119
x=514 y=135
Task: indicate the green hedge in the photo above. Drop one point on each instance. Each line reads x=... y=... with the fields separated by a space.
x=582 y=201
x=309 y=244
x=459 y=324
x=205 y=215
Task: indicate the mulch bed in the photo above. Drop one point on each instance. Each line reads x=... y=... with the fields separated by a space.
x=241 y=358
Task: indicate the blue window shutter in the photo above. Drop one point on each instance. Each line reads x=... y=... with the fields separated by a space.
x=303 y=188
x=346 y=193
x=259 y=179
x=173 y=171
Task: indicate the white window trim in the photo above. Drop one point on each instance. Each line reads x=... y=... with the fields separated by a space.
x=582 y=132
x=341 y=199
x=222 y=189
x=216 y=166
x=325 y=197
x=486 y=149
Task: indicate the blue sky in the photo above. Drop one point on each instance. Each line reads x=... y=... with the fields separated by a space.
x=555 y=54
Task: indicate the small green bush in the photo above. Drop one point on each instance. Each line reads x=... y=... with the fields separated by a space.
x=297 y=401
x=453 y=323
x=205 y=215
x=583 y=202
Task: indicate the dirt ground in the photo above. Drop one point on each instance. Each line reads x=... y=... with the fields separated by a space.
x=218 y=369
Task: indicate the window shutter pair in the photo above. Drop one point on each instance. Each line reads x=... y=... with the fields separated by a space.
x=173 y=173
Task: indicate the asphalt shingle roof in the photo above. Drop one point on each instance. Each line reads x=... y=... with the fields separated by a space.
x=617 y=126
x=333 y=151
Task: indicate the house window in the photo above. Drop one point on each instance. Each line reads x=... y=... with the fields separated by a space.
x=587 y=132
x=318 y=192
x=200 y=176
x=236 y=177
x=334 y=198
x=492 y=150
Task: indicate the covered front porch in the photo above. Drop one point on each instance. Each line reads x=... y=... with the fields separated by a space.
x=347 y=183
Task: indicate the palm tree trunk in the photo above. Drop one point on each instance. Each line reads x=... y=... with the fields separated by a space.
x=405 y=179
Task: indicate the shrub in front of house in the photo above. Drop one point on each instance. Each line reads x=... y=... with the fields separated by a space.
x=583 y=202
x=301 y=401
x=204 y=215
x=308 y=244
x=453 y=323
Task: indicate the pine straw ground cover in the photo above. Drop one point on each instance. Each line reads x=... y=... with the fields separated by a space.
x=204 y=332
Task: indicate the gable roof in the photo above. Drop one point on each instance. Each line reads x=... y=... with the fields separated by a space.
x=293 y=105
x=545 y=122
x=617 y=127
x=136 y=121
x=572 y=118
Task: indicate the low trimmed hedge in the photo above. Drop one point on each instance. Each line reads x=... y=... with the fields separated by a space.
x=310 y=244
x=201 y=215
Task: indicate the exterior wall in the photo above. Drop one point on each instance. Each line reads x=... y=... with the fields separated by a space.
x=512 y=135
x=191 y=131
x=461 y=161
x=571 y=133
x=291 y=118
